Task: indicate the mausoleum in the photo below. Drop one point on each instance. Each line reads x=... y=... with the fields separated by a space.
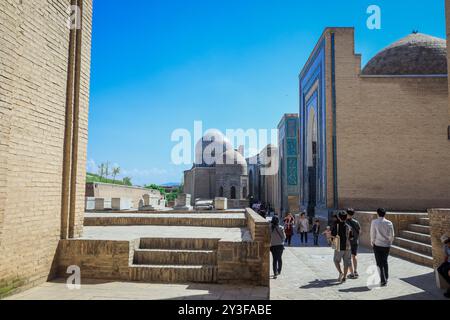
x=218 y=171
x=376 y=137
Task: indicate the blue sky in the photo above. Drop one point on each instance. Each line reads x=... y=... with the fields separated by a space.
x=161 y=65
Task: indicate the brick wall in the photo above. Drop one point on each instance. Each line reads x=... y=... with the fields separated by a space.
x=447 y=15
x=34 y=40
x=392 y=148
x=440 y=225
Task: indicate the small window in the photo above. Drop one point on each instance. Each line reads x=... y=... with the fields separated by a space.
x=221 y=192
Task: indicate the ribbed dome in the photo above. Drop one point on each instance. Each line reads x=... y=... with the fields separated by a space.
x=232 y=158
x=416 y=54
x=212 y=143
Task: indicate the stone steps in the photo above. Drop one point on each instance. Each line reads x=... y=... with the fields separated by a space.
x=179 y=243
x=415 y=246
x=175 y=260
x=424 y=221
x=412 y=256
x=419 y=228
x=416 y=236
x=173 y=273
x=174 y=257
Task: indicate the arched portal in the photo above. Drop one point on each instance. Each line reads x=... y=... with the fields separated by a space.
x=233 y=192
x=311 y=160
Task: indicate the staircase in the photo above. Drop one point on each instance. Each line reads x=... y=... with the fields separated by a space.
x=166 y=260
x=414 y=244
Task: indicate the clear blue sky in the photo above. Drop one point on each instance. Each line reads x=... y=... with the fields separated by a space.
x=161 y=65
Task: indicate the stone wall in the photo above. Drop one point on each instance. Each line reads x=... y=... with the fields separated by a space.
x=34 y=42
x=259 y=230
x=108 y=260
x=109 y=191
x=447 y=19
x=400 y=220
x=440 y=225
x=237 y=261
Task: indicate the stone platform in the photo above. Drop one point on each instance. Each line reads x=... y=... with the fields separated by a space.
x=170 y=248
x=227 y=220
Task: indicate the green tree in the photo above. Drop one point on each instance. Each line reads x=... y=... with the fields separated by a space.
x=101 y=170
x=115 y=172
x=107 y=172
x=127 y=181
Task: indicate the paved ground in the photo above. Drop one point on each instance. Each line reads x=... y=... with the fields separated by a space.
x=308 y=273
x=136 y=232
x=97 y=290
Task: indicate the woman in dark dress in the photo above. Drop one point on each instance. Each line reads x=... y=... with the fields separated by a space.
x=289 y=228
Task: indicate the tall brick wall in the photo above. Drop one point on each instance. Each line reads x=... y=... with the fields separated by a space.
x=392 y=146
x=447 y=19
x=34 y=40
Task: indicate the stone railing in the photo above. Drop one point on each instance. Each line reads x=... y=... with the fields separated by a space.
x=246 y=261
x=400 y=220
x=440 y=225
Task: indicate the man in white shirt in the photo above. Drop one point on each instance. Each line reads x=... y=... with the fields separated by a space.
x=382 y=237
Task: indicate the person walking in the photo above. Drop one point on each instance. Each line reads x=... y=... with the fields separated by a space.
x=277 y=238
x=354 y=243
x=289 y=228
x=303 y=228
x=444 y=268
x=316 y=231
x=382 y=237
x=327 y=234
x=342 y=233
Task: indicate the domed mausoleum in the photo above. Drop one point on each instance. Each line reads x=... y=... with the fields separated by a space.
x=416 y=54
x=378 y=136
x=218 y=171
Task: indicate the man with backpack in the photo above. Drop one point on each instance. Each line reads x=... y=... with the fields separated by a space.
x=354 y=243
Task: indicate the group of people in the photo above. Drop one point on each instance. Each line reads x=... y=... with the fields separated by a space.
x=264 y=210
x=300 y=223
x=343 y=236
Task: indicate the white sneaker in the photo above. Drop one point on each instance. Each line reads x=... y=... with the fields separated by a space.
x=341 y=276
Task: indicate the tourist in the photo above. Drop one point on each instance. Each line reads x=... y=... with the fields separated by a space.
x=444 y=269
x=289 y=228
x=342 y=234
x=382 y=237
x=277 y=238
x=354 y=242
x=327 y=234
x=316 y=232
x=303 y=228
